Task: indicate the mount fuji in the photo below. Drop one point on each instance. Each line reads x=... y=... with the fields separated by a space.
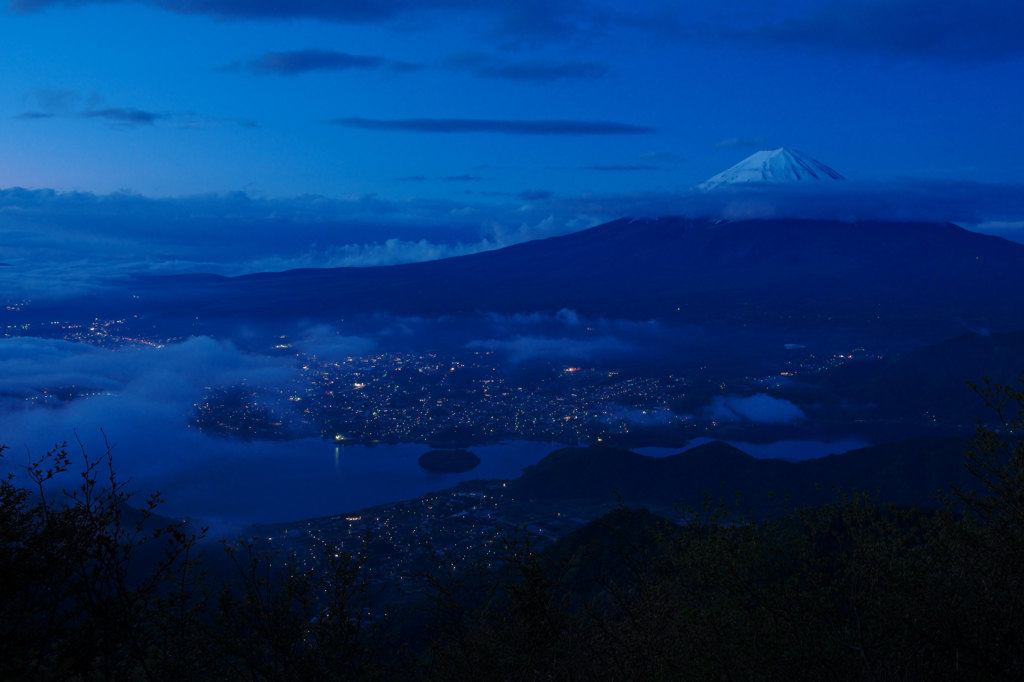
x=880 y=279
x=920 y=281
x=776 y=166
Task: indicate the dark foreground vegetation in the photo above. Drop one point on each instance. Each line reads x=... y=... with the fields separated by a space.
x=91 y=588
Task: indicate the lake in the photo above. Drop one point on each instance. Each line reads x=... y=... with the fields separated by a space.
x=228 y=484
x=309 y=478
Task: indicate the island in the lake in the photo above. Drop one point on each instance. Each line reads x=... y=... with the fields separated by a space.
x=448 y=461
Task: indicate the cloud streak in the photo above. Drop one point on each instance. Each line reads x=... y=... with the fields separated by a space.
x=52 y=100
x=951 y=31
x=536 y=71
x=58 y=244
x=499 y=126
x=124 y=115
x=46 y=103
x=515 y=23
x=344 y=11
x=296 y=62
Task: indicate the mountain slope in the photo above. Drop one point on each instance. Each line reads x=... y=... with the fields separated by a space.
x=931 y=381
x=907 y=472
x=934 y=279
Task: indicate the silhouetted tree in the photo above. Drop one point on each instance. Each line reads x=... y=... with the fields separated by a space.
x=91 y=588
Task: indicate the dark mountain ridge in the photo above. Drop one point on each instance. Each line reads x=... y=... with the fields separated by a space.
x=930 y=382
x=907 y=472
x=917 y=277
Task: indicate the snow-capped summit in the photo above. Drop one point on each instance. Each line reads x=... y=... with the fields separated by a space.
x=770 y=167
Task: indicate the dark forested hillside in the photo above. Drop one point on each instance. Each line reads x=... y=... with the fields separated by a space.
x=908 y=472
x=849 y=589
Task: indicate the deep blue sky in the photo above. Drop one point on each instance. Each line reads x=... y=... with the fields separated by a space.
x=482 y=121
x=181 y=97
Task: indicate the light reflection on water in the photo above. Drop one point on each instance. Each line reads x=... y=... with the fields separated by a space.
x=310 y=478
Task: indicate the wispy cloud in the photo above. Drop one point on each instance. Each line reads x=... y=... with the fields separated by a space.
x=512 y=23
x=345 y=11
x=465 y=177
x=52 y=100
x=538 y=71
x=43 y=104
x=192 y=121
x=951 y=31
x=79 y=241
x=506 y=127
x=124 y=115
x=295 y=62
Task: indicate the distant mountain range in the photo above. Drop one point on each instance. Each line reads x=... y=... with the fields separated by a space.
x=911 y=472
x=927 y=383
x=932 y=280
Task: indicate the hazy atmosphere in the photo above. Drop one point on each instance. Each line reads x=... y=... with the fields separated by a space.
x=151 y=139
x=511 y=339
x=239 y=137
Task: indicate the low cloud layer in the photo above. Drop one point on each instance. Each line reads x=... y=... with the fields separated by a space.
x=329 y=344
x=141 y=397
x=31 y=366
x=522 y=349
x=760 y=408
x=901 y=200
x=140 y=401
x=57 y=243
x=54 y=242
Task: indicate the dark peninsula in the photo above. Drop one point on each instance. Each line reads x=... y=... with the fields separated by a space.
x=448 y=461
